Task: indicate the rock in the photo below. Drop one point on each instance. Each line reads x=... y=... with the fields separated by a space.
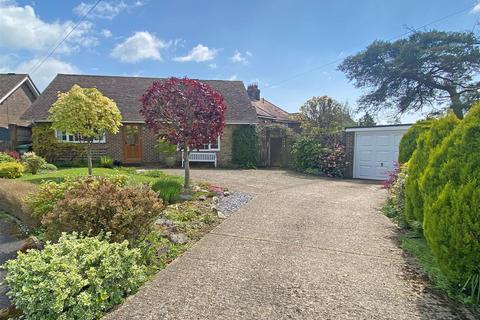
x=31 y=243
x=178 y=238
x=196 y=189
x=164 y=222
x=213 y=208
x=10 y=313
x=203 y=191
x=221 y=215
x=162 y=251
x=215 y=200
x=202 y=198
x=185 y=197
x=226 y=193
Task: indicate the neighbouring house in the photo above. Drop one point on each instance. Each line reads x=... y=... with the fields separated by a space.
x=371 y=152
x=17 y=93
x=135 y=143
x=274 y=121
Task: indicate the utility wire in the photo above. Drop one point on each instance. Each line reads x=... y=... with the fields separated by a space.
x=391 y=39
x=39 y=64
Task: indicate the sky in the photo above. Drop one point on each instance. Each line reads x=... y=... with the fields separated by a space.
x=290 y=48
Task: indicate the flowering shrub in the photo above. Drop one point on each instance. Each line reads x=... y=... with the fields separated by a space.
x=95 y=205
x=332 y=161
x=13 y=154
x=306 y=153
x=76 y=278
x=392 y=175
x=397 y=189
x=33 y=163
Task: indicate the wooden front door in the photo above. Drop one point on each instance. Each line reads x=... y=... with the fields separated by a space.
x=132 y=143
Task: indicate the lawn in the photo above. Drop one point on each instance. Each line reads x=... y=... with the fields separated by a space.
x=150 y=177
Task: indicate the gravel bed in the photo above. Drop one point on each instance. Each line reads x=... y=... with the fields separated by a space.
x=229 y=204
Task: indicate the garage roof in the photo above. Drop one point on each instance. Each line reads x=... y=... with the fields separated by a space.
x=388 y=127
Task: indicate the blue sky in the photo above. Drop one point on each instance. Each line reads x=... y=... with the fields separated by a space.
x=277 y=44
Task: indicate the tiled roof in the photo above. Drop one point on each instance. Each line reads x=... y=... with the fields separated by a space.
x=126 y=92
x=265 y=108
x=9 y=81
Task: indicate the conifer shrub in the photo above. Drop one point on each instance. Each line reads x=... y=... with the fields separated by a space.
x=244 y=149
x=426 y=144
x=408 y=143
x=451 y=188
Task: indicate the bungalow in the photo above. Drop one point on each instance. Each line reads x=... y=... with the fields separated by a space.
x=135 y=143
x=17 y=92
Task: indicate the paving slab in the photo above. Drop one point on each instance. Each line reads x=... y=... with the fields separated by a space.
x=303 y=248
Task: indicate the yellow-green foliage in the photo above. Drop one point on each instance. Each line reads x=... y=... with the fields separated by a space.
x=11 y=170
x=409 y=140
x=426 y=144
x=86 y=112
x=451 y=186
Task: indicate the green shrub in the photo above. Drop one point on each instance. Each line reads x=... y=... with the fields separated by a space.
x=408 y=143
x=76 y=278
x=46 y=145
x=106 y=162
x=96 y=204
x=153 y=173
x=306 y=153
x=426 y=143
x=451 y=188
x=244 y=146
x=46 y=197
x=168 y=188
x=6 y=158
x=11 y=170
x=33 y=163
x=397 y=189
x=49 y=167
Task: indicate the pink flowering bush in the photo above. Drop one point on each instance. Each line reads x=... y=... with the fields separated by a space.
x=392 y=175
x=13 y=154
x=332 y=162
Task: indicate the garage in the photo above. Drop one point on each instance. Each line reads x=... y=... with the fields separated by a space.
x=375 y=150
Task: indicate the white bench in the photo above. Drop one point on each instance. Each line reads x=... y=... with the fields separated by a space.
x=202 y=157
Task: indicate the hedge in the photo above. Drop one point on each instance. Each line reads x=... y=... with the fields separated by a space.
x=426 y=143
x=408 y=143
x=451 y=187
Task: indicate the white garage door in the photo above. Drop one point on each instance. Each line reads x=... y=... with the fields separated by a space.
x=375 y=153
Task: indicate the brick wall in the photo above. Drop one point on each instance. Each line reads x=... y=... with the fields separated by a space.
x=349 y=150
x=15 y=105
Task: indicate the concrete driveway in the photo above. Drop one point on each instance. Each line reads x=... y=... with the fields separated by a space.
x=303 y=248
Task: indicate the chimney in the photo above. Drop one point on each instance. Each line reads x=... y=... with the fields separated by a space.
x=253 y=92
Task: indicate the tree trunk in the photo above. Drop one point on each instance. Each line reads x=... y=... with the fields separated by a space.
x=457 y=105
x=186 y=164
x=89 y=158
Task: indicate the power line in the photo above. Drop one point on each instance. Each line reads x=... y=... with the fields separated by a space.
x=39 y=64
x=298 y=75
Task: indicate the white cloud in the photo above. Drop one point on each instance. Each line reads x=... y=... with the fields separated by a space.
x=105 y=9
x=47 y=71
x=238 y=57
x=475 y=9
x=140 y=46
x=233 y=77
x=106 y=33
x=199 y=53
x=213 y=66
x=22 y=28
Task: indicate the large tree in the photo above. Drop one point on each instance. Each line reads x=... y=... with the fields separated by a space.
x=87 y=114
x=425 y=69
x=366 y=120
x=187 y=113
x=321 y=115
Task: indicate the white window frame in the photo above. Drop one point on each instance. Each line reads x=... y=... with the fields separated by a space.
x=210 y=146
x=59 y=136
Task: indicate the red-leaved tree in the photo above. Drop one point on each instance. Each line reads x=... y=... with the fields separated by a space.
x=185 y=112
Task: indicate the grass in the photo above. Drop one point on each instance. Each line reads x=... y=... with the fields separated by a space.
x=61 y=174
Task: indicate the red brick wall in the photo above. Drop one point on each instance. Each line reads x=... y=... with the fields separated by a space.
x=14 y=106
